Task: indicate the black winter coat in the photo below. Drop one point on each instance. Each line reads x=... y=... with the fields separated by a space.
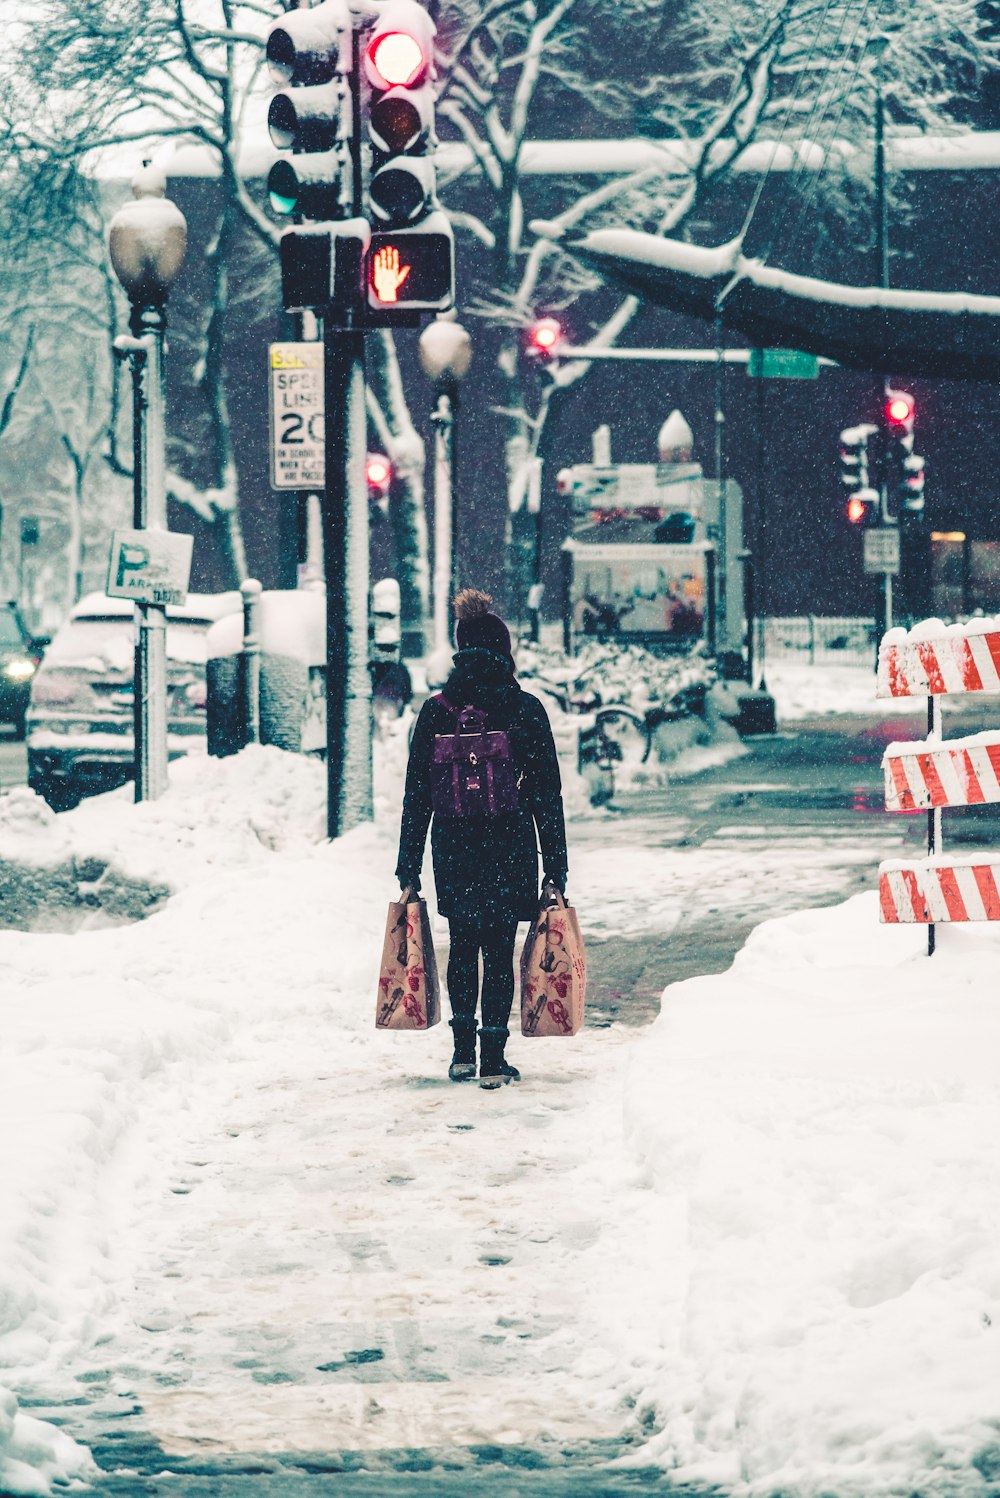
x=486 y=868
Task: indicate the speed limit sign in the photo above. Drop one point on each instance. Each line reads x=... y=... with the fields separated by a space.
x=297 y=446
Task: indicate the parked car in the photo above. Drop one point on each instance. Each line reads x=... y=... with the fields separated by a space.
x=80 y=719
x=19 y=658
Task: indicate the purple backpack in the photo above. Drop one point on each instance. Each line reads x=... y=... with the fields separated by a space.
x=472 y=770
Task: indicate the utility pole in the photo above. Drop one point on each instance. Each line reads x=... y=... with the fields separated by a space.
x=354 y=278
x=882 y=266
x=345 y=516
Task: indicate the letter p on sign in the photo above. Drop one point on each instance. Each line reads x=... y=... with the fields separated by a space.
x=131 y=559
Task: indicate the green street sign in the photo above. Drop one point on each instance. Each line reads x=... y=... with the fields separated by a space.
x=782 y=364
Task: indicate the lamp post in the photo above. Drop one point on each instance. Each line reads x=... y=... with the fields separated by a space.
x=147 y=241
x=445 y=356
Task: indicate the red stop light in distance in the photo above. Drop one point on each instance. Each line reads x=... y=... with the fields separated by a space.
x=545 y=336
x=899 y=409
x=378 y=471
x=856 y=509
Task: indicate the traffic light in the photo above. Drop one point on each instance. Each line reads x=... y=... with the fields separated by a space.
x=853 y=459
x=899 y=409
x=862 y=506
x=411 y=260
x=378 y=472
x=309 y=56
x=309 y=52
x=544 y=338
x=904 y=469
x=323 y=265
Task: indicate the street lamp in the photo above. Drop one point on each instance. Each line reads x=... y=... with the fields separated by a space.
x=147 y=241
x=445 y=356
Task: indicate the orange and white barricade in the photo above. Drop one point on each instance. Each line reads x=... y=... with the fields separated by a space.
x=930 y=661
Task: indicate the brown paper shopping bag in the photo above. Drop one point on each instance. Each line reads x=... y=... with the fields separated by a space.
x=553 y=970
x=408 y=991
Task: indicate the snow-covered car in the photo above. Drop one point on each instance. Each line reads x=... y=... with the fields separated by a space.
x=19 y=658
x=80 y=723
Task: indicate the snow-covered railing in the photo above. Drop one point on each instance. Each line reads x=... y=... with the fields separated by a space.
x=930 y=660
x=819 y=634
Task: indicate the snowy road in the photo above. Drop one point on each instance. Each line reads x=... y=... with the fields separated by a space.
x=416 y=1286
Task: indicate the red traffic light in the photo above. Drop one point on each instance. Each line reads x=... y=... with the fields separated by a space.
x=378 y=471
x=899 y=408
x=395 y=59
x=856 y=510
x=545 y=334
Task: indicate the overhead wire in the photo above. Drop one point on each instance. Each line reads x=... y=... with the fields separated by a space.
x=779 y=143
x=812 y=128
x=809 y=200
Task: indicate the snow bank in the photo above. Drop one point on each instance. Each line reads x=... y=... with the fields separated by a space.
x=108 y=1033
x=290 y=622
x=803 y=691
x=820 y=1124
x=791 y=1268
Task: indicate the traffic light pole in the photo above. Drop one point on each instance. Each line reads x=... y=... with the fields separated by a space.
x=345 y=542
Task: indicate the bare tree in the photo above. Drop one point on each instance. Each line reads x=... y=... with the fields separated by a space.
x=190 y=72
x=55 y=414
x=793 y=79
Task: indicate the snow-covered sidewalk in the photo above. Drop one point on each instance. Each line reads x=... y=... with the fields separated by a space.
x=754 y=1244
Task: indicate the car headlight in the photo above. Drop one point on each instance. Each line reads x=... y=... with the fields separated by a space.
x=19 y=670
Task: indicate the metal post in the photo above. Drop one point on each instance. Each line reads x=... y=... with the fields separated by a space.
x=934 y=816
x=760 y=537
x=345 y=535
x=882 y=266
x=147 y=245
x=251 y=590
x=711 y=562
x=886 y=576
x=567 y=602
x=443 y=421
x=722 y=539
x=148 y=324
x=750 y=603
x=536 y=590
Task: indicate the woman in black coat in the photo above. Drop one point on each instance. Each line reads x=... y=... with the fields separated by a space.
x=485 y=867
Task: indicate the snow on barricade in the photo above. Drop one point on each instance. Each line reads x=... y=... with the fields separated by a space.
x=113 y=1035
x=933 y=658
x=819 y=1313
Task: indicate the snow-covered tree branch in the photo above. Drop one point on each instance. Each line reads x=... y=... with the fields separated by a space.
x=718 y=78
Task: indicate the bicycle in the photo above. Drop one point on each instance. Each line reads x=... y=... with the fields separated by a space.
x=616 y=735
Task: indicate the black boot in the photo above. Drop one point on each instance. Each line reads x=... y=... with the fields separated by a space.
x=494 y=1071
x=463 y=1063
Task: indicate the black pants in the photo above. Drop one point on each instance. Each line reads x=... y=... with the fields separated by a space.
x=496 y=942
